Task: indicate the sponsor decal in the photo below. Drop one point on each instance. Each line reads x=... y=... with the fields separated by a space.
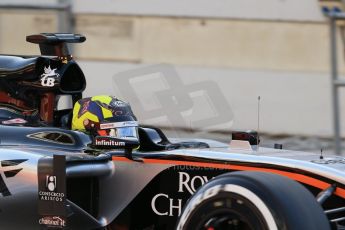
x=109 y=142
x=4 y=190
x=173 y=205
x=48 y=77
x=118 y=103
x=190 y=184
x=14 y=121
x=51 y=183
x=186 y=184
x=107 y=125
x=51 y=195
x=52 y=221
x=118 y=124
x=51 y=174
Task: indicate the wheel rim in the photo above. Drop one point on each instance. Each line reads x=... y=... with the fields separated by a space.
x=227 y=221
x=230 y=213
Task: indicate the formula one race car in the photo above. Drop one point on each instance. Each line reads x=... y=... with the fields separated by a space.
x=55 y=177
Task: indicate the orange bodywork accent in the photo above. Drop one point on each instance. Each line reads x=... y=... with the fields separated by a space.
x=294 y=176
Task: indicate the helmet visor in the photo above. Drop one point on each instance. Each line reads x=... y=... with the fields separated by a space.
x=127 y=129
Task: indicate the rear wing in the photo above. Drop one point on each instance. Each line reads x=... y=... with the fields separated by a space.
x=55 y=44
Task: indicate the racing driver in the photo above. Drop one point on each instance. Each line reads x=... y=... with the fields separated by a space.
x=106 y=117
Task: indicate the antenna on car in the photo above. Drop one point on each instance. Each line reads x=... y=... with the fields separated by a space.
x=258 y=128
x=321 y=156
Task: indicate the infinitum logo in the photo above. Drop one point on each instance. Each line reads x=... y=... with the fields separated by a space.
x=107 y=142
x=9 y=164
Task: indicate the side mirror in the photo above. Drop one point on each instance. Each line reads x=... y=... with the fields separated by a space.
x=245 y=140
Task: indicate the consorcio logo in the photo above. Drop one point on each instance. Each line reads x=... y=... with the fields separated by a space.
x=51 y=195
x=54 y=221
x=51 y=183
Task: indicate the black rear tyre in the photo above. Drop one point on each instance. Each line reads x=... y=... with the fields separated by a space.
x=252 y=200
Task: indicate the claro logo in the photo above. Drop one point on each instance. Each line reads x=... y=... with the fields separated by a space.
x=186 y=184
x=11 y=171
x=53 y=221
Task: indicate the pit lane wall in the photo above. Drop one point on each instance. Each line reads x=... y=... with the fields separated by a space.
x=277 y=49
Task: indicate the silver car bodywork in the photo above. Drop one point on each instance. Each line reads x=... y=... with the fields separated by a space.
x=122 y=179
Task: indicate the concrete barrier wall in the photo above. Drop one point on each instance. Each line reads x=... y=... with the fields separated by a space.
x=287 y=46
x=285 y=62
x=291 y=103
x=15 y=25
x=292 y=10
